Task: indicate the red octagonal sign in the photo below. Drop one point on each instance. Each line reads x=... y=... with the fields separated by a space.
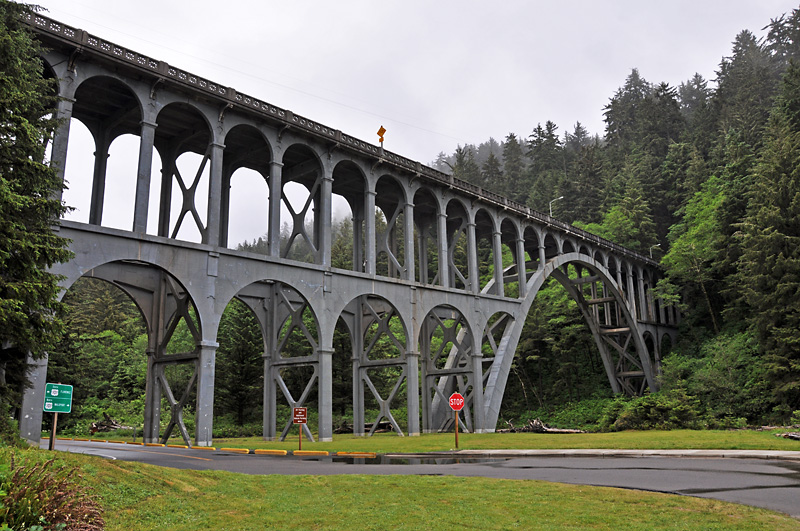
x=456 y=401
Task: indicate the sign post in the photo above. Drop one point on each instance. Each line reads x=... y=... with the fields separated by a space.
x=456 y=403
x=57 y=399
x=300 y=417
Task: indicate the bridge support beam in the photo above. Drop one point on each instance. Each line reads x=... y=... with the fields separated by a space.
x=204 y=416
x=30 y=418
x=325 y=394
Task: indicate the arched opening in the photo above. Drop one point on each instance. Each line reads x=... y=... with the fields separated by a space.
x=484 y=239
x=390 y=229
x=446 y=366
x=532 y=258
x=239 y=373
x=513 y=263
x=183 y=141
x=426 y=232
x=378 y=338
x=458 y=245
x=245 y=190
x=103 y=355
x=145 y=329
x=301 y=219
x=348 y=224
x=103 y=187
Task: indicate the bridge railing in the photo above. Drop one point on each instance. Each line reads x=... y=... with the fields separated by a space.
x=163 y=71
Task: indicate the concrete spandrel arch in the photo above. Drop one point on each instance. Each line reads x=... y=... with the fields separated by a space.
x=446 y=344
x=427 y=209
x=380 y=341
x=498 y=372
x=164 y=303
x=302 y=200
x=247 y=158
x=291 y=332
x=391 y=202
x=461 y=261
x=349 y=190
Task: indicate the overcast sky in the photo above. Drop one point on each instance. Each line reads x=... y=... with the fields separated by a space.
x=434 y=74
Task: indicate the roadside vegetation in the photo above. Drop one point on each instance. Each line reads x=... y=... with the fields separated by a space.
x=137 y=496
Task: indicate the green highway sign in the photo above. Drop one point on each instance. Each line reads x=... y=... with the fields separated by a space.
x=57 y=398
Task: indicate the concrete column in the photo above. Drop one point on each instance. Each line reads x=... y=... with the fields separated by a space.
x=472 y=259
x=422 y=246
x=645 y=310
x=497 y=255
x=270 y=399
x=204 y=417
x=165 y=202
x=412 y=391
x=143 y=176
x=522 y=268
x=408 y=217
x=225 y=205
x=58 y=158
x=631 y=294
x=324 y=220
x=275 y=195
x=444 y=252
x=99 y=180
x=369 y=218
x=542 y=257
x=359 y=263
x=325 y=405
x=358 y=382
x=477 y=385
x=30 y=418
x=214 y=195
x=152 y=401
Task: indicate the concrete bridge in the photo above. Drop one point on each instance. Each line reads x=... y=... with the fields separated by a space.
x=412 y=285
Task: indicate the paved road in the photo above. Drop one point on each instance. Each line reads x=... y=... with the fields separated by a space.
x=769 y=483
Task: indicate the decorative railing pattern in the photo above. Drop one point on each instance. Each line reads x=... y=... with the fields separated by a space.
x=83 y=40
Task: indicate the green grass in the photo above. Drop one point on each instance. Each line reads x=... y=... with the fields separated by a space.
x=653 y=440
x=144 y=497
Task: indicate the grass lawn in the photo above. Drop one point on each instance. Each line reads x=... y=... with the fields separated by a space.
x=144 y=497
x=654 y=440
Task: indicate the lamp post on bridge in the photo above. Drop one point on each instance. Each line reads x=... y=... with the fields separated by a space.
x=653 y=247
x=551 y=204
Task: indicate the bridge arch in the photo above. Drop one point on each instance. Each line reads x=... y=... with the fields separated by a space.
x=605 y=310
x=449 y=362
x=384 y=364
x=291 y=331
x=164 y=302
x=428 y=216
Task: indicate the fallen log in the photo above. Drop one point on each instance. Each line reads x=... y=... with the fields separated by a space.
x=107 y=424
x=535 y=426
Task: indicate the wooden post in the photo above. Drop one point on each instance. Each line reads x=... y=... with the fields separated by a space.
x=53 y=432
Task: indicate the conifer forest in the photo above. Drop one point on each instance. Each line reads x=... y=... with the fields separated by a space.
x=703 y=176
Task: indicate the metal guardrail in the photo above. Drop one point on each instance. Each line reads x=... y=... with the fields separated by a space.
x=85 y=41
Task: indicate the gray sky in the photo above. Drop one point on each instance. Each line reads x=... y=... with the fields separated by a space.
x=435 y=74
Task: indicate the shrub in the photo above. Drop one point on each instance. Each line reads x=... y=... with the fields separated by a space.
x=44 y=497
x=658 y=411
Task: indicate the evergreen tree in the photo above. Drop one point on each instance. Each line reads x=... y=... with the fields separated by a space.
x=29 y=314
x=769 y=267
x=491 y=173
x=546 y=169
x=513 y=170
x=747 y=83
x=239 y=365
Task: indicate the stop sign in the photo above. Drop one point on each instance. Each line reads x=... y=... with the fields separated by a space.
x=456 y=401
